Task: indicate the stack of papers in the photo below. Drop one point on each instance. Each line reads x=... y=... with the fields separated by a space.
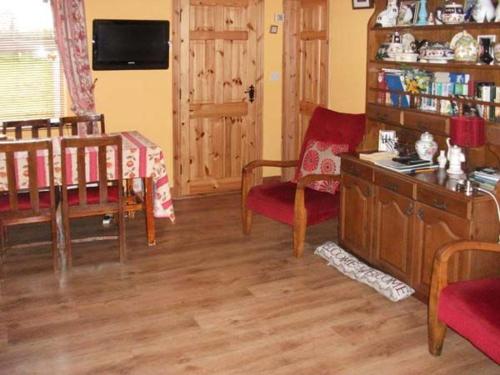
x=405 y=168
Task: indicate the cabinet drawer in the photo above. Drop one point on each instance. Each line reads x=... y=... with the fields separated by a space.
x=383 y=114
x=425 y=122
x=444 y=201
x=356 y=169
x=395 y=184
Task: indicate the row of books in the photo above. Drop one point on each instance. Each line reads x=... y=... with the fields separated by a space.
x=448 y=84
x=487 y=178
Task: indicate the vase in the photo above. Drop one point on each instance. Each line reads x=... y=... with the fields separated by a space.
x=422 y=13
x=485 y=56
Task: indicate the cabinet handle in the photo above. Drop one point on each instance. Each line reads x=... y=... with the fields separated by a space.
x=439 y=204
x=420 y=213
x=409 y=209
x=392 y=186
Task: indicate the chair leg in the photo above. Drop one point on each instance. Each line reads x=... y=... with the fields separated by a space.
x=437 y=332
x=299 y=235
x=246 y=219
x=67 y=242
x=53 y=230
x=121 y=236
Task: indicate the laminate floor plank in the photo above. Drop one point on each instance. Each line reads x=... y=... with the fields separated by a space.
x=207 y=300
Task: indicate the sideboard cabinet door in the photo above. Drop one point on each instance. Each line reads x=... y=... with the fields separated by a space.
x=392 y=233
x=433 y=229
x=356 y=215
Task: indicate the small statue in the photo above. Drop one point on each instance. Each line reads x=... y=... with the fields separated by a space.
x=389 y=16
x=483 y=11
x=430 y=20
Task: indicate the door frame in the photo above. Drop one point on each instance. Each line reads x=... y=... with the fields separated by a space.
x=291 y=106
x=178 y=119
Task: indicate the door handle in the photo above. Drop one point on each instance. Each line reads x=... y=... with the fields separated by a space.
x=251 y=93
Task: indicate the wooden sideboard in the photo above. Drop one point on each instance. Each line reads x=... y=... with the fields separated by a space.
x=396 y=222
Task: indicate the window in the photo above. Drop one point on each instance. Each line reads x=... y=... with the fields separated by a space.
x=31 y=75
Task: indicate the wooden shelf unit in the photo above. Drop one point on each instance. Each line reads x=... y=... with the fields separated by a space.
x=397 y=222
x=376 y=111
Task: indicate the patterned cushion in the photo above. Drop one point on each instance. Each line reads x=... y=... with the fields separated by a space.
x=352 y=267
x=322 y=158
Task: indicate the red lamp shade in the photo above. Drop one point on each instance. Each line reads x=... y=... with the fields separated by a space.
x=467 y=131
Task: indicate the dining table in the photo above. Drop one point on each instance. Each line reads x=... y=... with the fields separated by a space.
x=141 y=159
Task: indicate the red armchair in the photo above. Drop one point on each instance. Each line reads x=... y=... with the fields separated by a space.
x=294 y=203
x=471 y=308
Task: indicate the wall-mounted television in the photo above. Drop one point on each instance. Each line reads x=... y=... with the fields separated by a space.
x=130 y=44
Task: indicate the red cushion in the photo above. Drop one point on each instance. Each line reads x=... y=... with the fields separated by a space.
x=276 y=201
x=92 y=195
x=472 y=308
x=24 y=201
x=333 y=127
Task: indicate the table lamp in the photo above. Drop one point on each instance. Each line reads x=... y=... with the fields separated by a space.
x=467 y=132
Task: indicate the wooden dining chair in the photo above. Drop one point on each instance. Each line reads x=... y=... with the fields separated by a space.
x=37 y=202
x=93 y=124
x=105 y=196
x=32 y=129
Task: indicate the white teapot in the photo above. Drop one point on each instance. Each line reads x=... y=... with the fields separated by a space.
x=455 y=157
x=426 y=147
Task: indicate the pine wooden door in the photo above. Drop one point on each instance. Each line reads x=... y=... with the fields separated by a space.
x=217 y=60
x=305 y=69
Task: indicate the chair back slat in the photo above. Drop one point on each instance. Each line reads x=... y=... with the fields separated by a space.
x=11 y=176
x=93 y=124
x=26 y=129
x=82 y=191
x=103 y=175
x=101 y=143
x=31 y=149
x=33 y=183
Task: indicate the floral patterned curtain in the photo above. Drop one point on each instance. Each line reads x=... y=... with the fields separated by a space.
x=71 y=39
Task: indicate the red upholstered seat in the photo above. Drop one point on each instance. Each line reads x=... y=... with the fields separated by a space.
x=276 y=201
x=92 y=195
x=24 y=201
x=472 y=308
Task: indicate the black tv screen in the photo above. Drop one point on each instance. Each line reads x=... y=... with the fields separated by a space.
x=130 y=44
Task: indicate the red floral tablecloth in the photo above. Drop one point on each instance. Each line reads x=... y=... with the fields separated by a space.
x=140 y=157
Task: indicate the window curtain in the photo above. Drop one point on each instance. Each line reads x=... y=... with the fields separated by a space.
x=71 y=39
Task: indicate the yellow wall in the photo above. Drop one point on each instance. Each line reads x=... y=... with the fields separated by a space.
x=142 y=100
x=347 y=56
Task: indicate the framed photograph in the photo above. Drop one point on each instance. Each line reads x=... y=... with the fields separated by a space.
x=408 y=12
x=362 y=4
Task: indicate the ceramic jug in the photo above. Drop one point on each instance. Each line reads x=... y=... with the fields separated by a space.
x=426 y=147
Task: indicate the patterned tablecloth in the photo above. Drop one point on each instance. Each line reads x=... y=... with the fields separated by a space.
x=141 y=158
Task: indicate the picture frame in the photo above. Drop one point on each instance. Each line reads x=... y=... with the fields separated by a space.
x=273 y=29
x=362 y=4
x=408 y=12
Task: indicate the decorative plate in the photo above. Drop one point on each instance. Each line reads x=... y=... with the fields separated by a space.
x=465 y=47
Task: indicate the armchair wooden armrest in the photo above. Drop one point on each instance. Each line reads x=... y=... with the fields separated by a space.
x=269 y=163
x=439 y=281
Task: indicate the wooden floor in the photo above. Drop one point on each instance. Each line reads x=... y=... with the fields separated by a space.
x=208 y=300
